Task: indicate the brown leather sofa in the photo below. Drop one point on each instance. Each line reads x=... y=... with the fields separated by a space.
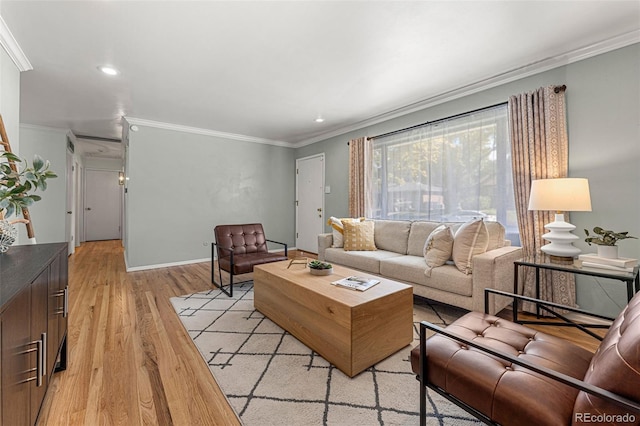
x=509 y=374
x=239 y=248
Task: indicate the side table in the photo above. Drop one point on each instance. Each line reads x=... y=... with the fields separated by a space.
x=632 y=279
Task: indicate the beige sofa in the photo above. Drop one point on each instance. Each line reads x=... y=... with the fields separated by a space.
x=400 y=256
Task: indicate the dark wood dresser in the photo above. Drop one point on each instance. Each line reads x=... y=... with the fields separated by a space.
x=33 y=327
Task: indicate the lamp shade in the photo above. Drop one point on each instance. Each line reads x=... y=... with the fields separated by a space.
x=561 y=195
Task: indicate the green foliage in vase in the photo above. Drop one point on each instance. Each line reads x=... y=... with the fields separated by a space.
x=17 y=187
x=317 y=264
x=604 y=237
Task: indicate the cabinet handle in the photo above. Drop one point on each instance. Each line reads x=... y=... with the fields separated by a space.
x=44 y=354
x=65 y=312
x=61 y=310
x=39 y=364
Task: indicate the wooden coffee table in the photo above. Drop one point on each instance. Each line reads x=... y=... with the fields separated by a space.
x=351 y=329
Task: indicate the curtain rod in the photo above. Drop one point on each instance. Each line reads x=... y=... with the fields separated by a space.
x=435 y=121
x=556 y=89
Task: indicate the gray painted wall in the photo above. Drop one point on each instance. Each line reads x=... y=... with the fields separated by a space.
x=103 y=163
x=49 y=214
x=603 y=113
x=181 y=185
x=10 y=99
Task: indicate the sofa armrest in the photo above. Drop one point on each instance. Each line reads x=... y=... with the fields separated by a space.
x=494 y=269
x=324 y=242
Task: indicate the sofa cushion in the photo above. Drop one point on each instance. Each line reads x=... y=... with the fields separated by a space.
x=359 y=235
x=438 y=248
x=411 y=269
x=496 y=235
x=392 y=235
x=470 y=239
x=367 y=261
x=338 y=229
x=420 y=231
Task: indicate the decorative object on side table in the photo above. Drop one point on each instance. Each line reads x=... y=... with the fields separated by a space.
x=317 y=267
x=606 y=241
x=16 y=191
x=299 y=260
x=560 y=195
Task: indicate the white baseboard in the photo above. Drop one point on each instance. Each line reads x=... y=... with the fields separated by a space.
x=163 y=265
x=585 y=319
x=184 y=262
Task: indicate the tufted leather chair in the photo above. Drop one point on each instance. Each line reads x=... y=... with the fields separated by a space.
x=239 y=248
x=499 y=391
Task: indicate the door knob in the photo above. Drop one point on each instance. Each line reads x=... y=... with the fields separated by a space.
x=69 y=212
x=88 y=208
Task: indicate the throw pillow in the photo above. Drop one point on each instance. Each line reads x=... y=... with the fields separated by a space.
x=472 y=238
x=438 y=248
x=359 y=235
x=338 y=230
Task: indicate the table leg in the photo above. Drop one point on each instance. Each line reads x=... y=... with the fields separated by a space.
x=537 y=291
x=515 y=291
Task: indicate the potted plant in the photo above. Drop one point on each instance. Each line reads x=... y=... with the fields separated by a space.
x=606 y=241
x=16 y=191
x=317 y=267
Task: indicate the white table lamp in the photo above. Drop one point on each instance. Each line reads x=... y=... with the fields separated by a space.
x=560 y=195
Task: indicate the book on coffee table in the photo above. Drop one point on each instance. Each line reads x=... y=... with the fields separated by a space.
x=356 y=283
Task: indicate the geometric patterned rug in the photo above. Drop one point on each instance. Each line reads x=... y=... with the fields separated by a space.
x=270 y=378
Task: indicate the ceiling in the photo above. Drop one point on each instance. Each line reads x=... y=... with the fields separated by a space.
x=266 y=69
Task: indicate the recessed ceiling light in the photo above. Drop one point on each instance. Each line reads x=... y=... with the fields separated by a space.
x=319 y=120
x=108 y=70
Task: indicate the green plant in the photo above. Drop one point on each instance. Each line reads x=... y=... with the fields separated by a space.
x=16 y=186
x=605 y=237
x=317 y=264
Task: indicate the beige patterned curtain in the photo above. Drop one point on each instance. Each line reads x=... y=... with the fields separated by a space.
x=539 y=147
x=359 y=177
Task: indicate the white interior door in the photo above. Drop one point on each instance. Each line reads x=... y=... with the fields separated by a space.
x=71 y=191
x=102 y=205
x=309 y=202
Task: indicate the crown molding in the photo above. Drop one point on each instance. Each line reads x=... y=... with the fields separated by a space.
x=11 y=46
x=45 y=128
x=576 y=55
x=205 y=132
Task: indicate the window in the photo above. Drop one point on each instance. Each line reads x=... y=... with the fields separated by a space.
x=452 y=170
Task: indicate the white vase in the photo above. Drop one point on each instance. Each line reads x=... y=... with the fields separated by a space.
x=608 y=252
x=321 y=272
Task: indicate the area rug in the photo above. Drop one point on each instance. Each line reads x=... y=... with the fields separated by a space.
x=270 y=378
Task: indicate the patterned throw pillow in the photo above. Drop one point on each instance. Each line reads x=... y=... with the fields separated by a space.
x=338 y=229
x=359 y=236
x=471 y=238
x=438 y=248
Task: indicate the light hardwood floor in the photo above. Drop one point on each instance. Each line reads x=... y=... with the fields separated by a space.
x=130 y=360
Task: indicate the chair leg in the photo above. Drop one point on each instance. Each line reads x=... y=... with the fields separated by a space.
x=213 y=274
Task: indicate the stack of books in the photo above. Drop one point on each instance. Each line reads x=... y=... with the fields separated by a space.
x=621 y=264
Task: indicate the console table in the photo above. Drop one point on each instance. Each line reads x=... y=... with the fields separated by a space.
x=33 y=327
x=539 y=262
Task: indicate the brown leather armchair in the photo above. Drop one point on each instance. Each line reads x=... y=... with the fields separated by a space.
x=239 y=248
x=509 y=374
